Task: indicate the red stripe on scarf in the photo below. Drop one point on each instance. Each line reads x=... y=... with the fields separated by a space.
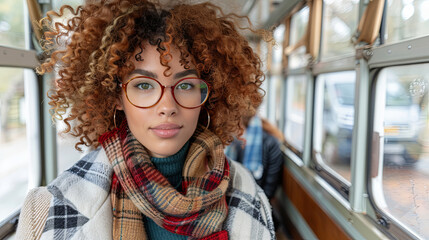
x=182 y=226
x=213 y=181
x=221 y=235
x=121 y=131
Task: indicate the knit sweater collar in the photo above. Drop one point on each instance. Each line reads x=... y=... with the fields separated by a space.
x=171 y=167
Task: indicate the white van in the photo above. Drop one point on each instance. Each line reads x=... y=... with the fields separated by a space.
x=401 y=118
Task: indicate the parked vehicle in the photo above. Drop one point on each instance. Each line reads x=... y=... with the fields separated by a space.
x=400 y=126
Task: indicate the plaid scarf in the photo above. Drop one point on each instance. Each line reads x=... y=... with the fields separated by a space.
x=139 y=189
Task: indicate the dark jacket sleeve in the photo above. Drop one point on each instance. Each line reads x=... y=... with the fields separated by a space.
x=272 y=160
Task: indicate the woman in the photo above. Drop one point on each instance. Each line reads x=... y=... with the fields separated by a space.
x=157 y=92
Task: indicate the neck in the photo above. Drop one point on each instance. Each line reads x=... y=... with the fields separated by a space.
x=171 y=167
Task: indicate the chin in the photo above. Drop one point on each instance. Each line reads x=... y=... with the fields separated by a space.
x=162 y=153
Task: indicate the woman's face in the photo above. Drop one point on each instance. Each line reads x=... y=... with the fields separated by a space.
x=165 y=127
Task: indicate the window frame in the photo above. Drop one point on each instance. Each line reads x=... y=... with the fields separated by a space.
x=41 y=129
x=322 y=38
x=296 y=154
x=406 y=52
x=317 y=161
x=26 y=59
x=358 y=212
x=332 y=66
x=289 y=145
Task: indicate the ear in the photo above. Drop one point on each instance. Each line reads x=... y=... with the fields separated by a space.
x=119 y=103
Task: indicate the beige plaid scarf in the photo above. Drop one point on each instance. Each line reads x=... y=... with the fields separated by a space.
x=139 y=190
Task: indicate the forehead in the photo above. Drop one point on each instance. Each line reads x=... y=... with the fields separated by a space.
x=147 y=62
x=148 y=57
x=148 y=53
x=145 y=52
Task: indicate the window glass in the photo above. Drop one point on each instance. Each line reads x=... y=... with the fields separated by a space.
x=67 y=155
x=262 y=50
x=277 y=51
x=298 y=26
x=14 y=113
x=56 y=4
x=274 y=95
x=275 y=78
x=14 y=147
x=340 y=20
x=298 y=58
x=400 y=156
x=295 y=111
x=335 y=113
x=406 y=19
x=12 y=24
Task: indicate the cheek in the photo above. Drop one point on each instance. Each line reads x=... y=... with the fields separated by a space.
x=135 y=116
x=194 y=116
x=191 y=119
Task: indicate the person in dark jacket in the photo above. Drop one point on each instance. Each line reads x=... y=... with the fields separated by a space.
x=261 y=153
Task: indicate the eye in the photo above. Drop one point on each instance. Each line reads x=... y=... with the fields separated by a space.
x=144 y=86
x=185 y=86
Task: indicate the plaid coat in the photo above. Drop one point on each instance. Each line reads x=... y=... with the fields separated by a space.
x=77 y=205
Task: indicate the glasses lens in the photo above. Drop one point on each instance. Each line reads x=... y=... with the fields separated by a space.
x=143 y=92
x=191 y=92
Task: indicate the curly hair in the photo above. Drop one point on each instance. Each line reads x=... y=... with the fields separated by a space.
x=101 y=38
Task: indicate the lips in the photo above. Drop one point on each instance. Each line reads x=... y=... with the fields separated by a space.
x=167 y=130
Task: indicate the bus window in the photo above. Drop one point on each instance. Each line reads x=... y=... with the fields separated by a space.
x=275 y=80
x=275 y=67
x=56 y=4
x=274 y=104
x=298 y=27
x=262 y=50
x=12 y=25
x=335 y=103
x=400 y=167
x=67 y=155
x=406 y=19
x=14 y=147
x=340 y=19
x=295 y=111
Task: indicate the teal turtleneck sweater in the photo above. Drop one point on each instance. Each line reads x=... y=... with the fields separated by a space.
x=171 y=167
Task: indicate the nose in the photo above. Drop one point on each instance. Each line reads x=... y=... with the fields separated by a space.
x=167 y=106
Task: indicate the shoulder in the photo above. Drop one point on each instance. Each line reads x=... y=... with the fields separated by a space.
x=242 y=179
x=92 y=169
x=271 y=148
x=269 y=140
x=249 y=211
x=78 y=197
x=34 y=213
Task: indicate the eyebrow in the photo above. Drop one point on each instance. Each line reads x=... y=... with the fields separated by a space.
x=185 y=73
x=144 y=73
x=178 y=75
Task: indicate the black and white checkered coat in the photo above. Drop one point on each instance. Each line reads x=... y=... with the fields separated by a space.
x=77 y=205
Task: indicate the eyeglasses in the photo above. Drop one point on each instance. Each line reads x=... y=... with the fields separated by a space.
x=145 y=92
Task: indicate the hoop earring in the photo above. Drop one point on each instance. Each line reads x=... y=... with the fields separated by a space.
x=114 y=118
x=208 y=119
